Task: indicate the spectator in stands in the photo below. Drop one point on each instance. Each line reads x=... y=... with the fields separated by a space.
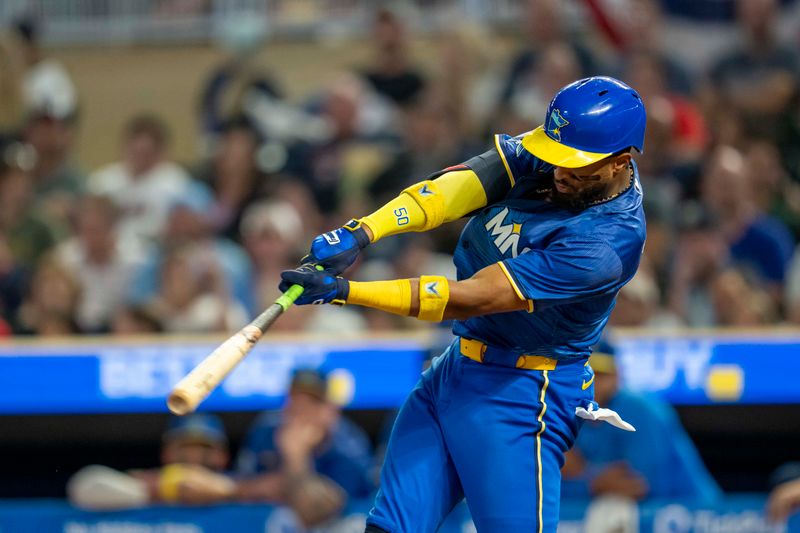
x=236 y=176
x=392 y=73
x=756 y=241
x=544 y=24
x=271 y=233
x=136 y=321
x=51 y=304
x=784 y=497
x=427 y=146
x=357 y=121
x=24 y=237
x=760 y=76
x=188 y=227
x=57 y=181
x=297 y=194
x=12 y=108
x=640 y=30
x=639 y=304
x=47 y=86
x=25 y=231
x=237 y=79
x=102 y=261
x=792 y=293
x=556 y=65
x=13 y=280
x=51 y=108
x=773 y=189
x=194 y=457
x=467 y=71
x=700 y=253
x=307 y=455
x=662 y=235
x=741 y=302
x=658 y=461
x=144 y=183
x=688 y=135
x=193 y=296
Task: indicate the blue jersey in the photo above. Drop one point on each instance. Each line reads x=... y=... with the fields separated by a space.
x=346 y=457
x=568 y=264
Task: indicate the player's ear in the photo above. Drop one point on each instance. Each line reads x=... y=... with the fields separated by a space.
x=621 y=161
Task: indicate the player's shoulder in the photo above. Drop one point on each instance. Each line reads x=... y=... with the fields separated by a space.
x=602 y=240
x=511 y=145
x=519 y=161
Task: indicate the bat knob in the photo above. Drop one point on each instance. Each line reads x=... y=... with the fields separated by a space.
x=179 y=404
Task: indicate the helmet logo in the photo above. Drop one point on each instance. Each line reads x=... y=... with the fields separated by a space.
x=554 y=124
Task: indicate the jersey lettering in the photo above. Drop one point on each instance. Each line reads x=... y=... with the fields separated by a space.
x=506 y=236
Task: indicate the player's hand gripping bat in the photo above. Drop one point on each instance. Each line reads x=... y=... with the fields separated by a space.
x=204 y=378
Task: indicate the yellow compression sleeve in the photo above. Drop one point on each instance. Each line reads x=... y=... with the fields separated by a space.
x=391 y=296
x=428 y=204
x=395 y=296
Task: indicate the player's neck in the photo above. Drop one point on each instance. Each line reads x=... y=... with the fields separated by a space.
x=620 y=182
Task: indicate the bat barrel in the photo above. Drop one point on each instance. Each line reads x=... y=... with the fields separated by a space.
x=198 y=384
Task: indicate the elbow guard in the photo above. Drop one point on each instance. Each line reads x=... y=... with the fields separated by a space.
x=430 y=199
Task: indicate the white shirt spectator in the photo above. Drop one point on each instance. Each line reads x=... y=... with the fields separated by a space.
x=338 y=321
x=104 y=286
x=207 y=313
x=144 y=200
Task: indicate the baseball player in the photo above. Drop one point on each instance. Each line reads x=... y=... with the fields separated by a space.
x=557 y=229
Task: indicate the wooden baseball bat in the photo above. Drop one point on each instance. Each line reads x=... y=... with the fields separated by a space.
x=204 y=378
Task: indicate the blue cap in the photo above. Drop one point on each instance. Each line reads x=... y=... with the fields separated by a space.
x=588 y=120
x=203 y=427
x=312 y=381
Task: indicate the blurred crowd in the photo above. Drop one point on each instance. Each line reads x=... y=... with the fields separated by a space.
x=150 y=244
x=305 y=456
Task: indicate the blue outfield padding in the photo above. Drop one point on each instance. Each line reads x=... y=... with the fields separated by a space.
x=113 y=376
x=740 y=514
x=707 y=368
x=137 y=377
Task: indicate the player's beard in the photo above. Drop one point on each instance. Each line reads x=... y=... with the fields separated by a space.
x=582 y=199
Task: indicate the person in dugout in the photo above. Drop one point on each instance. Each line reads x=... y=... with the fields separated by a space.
x=658 y=461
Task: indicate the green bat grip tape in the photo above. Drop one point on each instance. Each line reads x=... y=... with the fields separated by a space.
x=287 y=298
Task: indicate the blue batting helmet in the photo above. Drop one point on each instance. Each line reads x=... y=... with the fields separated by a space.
x=588 y=120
